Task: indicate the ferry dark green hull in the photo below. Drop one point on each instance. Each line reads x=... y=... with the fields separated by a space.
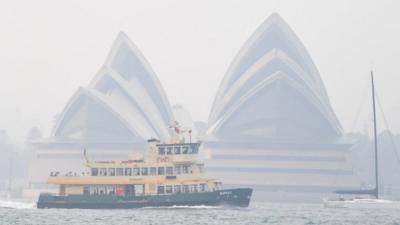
x=239 y=197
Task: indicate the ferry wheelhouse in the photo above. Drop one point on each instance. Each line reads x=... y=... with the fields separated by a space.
x=166 y=175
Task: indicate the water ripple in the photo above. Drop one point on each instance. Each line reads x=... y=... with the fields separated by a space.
x=259 y=213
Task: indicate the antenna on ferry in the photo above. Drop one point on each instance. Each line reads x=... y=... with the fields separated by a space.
x=176 y=127
x=180 y=131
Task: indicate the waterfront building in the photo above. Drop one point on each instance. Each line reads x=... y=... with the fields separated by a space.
x=122 y=107
x=272 y=124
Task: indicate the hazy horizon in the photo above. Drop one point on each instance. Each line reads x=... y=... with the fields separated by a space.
x=49 y=49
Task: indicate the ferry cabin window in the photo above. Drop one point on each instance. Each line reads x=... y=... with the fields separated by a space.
x=185 y=149
x=153 y=171
x=193 y=188
x=111 y=171
x=110 y=190
x=168 y=189
x=178 y=169
x=185 y=188
x=93 y=190
x=202 y=187
x=120 y=171
x=160 y=190
x=128 y=171
x=217 y=185
x=177 y=150
x=169 y=150
x=193 y=150
x=144 y=171
x=201 y=168
x=103 y=172
x=139 y=189
x=186 y=169
x=161 y=151
x=129 y=190
x=169 y=170
x=95 y=171
x=86 y=190
x=160 y=170
x=136 y=172
x=177 y=188
x=102 y=190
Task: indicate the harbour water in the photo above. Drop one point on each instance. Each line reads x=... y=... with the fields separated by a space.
x=17 y=212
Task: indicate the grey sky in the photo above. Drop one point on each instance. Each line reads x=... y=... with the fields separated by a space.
x=49 y=48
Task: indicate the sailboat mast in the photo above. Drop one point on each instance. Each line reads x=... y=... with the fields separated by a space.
x=10 y=176
x=375 y=138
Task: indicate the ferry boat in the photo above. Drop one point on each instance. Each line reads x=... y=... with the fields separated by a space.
x=166 y=175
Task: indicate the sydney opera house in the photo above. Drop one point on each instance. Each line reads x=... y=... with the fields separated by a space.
x=122 y=107
x=271 y=125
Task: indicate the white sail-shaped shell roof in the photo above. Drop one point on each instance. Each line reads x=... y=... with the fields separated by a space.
x=272 y=90
x=129 y=62
x=125 y=100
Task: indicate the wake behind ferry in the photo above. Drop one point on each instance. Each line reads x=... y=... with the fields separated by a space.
x=166 y=175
